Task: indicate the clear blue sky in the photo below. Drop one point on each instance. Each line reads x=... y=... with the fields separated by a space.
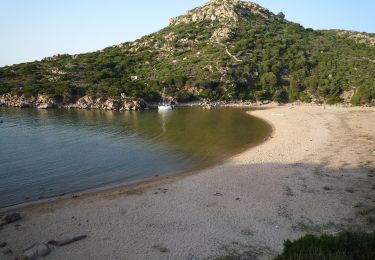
x=33 y=29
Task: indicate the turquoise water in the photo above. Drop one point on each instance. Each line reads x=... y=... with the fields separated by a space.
x=46 y=153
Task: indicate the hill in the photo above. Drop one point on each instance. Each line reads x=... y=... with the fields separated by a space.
x=225 y=50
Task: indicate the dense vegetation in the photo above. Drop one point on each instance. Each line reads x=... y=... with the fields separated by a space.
x=345 y=246
x=261 y=59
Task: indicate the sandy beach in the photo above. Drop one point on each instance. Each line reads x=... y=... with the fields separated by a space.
x=315 y=174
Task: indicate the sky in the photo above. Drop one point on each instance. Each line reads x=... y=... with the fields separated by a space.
x=33 y=29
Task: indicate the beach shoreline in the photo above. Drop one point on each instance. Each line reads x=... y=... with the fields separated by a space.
x=144 y=183
x=301 y=180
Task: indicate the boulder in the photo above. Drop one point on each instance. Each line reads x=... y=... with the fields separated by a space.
x=34 y=251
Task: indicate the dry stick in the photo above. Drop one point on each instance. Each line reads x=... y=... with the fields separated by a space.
x=66 y=241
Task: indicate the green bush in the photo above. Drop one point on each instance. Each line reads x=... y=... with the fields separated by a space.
x=262 y=95
x=281 y=96
x=344 y=246
x=332 y=100
x=362 y=96
x=303 y=97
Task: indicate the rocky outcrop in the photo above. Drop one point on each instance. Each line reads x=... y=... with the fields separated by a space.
x=24 y=101
x=358 y=37
x=348 y=95
x=86 y=102
x=126 y=104
x=221 y=35
x=9 y=100
x=129 y=105
x=222 y=11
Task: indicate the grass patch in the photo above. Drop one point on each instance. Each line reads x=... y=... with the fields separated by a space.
x=366 y=210
x=345 y=246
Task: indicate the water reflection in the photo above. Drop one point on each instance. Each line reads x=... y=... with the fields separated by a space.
x=163 y=117
x=48 y=152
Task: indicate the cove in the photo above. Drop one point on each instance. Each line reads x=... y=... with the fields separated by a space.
x=46 y=153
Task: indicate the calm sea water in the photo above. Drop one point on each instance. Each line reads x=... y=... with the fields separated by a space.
x=46 y=153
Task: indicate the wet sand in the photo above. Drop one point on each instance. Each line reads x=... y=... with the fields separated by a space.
x=315 y=174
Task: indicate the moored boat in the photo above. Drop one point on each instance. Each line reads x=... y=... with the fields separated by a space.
x=44 y=106
x=164 y=105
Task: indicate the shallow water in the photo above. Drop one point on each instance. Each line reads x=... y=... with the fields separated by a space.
x=46 y=153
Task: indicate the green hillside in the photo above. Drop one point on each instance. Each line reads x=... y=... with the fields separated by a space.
x=224 y=50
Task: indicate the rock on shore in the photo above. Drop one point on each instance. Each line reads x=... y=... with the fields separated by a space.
x=86 y=102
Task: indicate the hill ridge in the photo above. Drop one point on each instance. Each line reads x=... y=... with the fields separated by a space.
x=226 y=50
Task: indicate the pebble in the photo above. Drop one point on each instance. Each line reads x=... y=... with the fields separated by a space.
x=3 y=244
x=162 y=190
x=247 y=232
x=162 y=249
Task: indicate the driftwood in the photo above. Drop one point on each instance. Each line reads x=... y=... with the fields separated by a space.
x=66 y=241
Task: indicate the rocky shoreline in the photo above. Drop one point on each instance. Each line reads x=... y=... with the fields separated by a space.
x=109 y=103
x=86 y=102
x=127 y=104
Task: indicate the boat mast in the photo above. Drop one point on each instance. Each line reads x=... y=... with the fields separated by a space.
x=164 y=96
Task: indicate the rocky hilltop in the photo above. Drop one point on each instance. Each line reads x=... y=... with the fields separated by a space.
x=225 y=50
x=227 y=11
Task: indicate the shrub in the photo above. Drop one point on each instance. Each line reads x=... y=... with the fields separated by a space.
x=303 y=97
x=343 y=246
x=362 y=96
x=281 y=96
x=332 y=100
x=262 y=95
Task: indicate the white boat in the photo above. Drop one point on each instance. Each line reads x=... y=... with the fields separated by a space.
x=163 y=105
x=44 y=106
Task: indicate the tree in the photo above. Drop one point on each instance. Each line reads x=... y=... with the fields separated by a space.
x=262 y=95
x=268 y=81
x=281 y=15
x=281 y=96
